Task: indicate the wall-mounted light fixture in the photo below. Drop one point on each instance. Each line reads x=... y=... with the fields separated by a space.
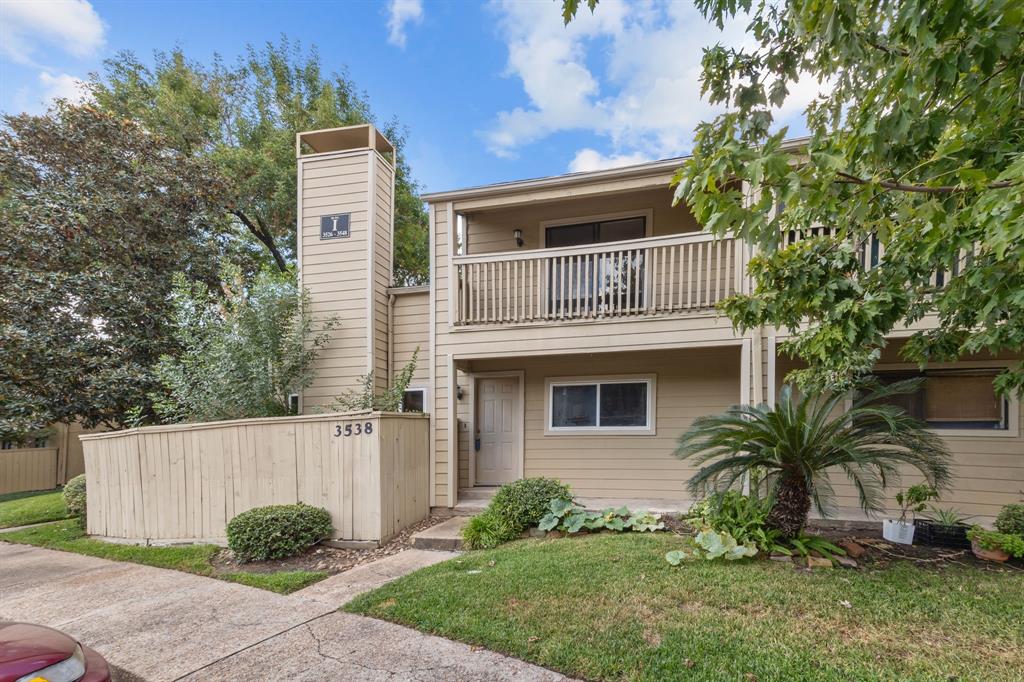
x=458 y=392
x=517 y=234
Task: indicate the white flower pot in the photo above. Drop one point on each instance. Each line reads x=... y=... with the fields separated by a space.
x=899 y=532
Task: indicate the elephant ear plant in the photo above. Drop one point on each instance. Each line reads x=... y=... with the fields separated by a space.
x=800 y=440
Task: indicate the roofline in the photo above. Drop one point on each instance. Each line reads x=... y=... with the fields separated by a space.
x=582 y=177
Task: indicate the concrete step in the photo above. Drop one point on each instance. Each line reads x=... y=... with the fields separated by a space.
x=476 y=493
x=445 y=536
x=469 y=507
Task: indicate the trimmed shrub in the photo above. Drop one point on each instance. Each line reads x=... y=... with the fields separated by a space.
x=1011 y=519
x=487 y=530
x=74 y=497
x=277 y=532
x=522 y=504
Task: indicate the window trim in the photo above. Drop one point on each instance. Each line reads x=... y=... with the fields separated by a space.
x=421 y=389
x=649 y=430
x=646 y=213
x=1012 y=429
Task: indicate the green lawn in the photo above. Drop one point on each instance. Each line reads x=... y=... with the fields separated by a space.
x=21 y=509
x=609 y=607
x=68 y=536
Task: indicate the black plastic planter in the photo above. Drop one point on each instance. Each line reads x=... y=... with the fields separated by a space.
x=939 y=535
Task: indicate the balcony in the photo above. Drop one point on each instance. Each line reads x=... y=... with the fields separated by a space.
x=672 y=275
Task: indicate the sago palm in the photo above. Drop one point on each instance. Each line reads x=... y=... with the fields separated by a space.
x=800 y=441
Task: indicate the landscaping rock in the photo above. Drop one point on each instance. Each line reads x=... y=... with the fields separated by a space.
x=853 y=549
x=818 y=562
x=536 y=533
x=846 y=562
x=785 y=558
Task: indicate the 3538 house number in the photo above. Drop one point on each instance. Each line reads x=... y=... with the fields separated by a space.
x=356 y=429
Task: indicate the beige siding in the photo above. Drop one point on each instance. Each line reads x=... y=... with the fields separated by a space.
x=343 y=280
x=383 y=176
x=335 y=271
x=689 y=383
x=411 y=319
x=988 y=469
x=491 y=231
x=185 y=482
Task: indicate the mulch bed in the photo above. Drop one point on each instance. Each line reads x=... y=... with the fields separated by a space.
x=875 y=553
x=328 y=559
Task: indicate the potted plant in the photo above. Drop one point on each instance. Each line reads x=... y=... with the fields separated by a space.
x=911 y=501
x=991 y=545
x=942 y=528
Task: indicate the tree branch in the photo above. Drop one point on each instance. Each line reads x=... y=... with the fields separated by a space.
x=265 y=237
x=848 y=179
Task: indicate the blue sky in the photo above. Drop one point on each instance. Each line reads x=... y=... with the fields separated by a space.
x=489 y=91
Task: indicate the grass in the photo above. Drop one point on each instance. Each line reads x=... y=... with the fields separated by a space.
x=68 y=536
x=21 y=509
x=609 y=607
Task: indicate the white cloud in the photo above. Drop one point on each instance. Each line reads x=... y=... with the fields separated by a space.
x=629 y=73
x=400 y=14
x=588 y=159
x=72 y=26
x=62 y=86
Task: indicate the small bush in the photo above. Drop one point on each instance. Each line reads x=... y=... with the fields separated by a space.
x=487 y=530
x=1011 y=519
x=74 y=497
x=1011 y=543
x=742 y=517
x=277 y=532
x=522 y=504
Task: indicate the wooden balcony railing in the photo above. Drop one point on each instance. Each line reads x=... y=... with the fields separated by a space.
x=660 y=275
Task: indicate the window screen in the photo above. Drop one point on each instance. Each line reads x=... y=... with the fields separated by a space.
x=412 y=400
x=574 y=405
x=952 y=399
x=614 y=404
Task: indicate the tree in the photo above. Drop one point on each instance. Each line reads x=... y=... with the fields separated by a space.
x=797 y=442
x=244 y=351
x=96 y=215
x=244 y=118
x=916 y=141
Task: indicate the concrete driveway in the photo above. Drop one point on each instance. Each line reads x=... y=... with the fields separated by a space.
x=155 y=624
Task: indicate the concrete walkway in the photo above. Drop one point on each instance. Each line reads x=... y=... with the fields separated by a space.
x=156 y=624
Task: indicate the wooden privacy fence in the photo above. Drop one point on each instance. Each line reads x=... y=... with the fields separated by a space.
x=23 y=469
x=183 y=483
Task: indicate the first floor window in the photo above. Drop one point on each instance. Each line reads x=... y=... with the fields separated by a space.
x=414 y=400
x=600 y=404
x=952 y=399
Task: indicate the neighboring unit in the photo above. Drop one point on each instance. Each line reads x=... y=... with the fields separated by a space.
x=570 y=330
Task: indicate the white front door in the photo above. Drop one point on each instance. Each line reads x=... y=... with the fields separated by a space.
x=498 y=430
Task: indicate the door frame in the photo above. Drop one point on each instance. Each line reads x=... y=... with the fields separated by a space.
x=520 y=420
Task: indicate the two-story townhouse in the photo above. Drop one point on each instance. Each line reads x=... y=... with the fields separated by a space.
x=570 y=330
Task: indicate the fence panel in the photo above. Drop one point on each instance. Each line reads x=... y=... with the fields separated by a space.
x=183 y=483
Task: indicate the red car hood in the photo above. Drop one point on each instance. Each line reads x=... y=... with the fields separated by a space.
x=26 y=648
